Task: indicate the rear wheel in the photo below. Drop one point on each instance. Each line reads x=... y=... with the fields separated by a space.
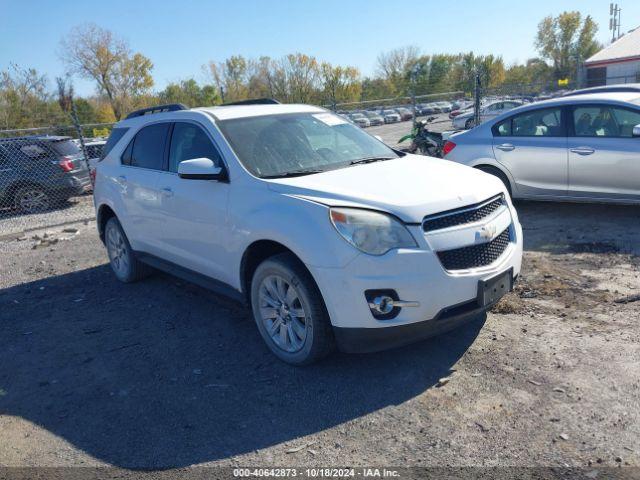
x=469 y=124
x=124 y=263
x=289 y=311
x=32 y=199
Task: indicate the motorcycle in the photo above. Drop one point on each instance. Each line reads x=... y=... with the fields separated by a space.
x=424 y=141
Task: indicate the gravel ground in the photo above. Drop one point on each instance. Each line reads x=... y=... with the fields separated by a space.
x=161 y=373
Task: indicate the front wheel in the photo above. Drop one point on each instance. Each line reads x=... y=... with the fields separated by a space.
x=469 y=124
x=289 y=311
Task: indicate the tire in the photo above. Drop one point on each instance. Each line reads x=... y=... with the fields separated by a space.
x=126 y=267
x=497 y=173
x=32 y=199
x=468 y=124
x=289 y=311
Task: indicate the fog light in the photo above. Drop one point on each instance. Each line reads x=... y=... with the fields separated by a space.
x=385 y=304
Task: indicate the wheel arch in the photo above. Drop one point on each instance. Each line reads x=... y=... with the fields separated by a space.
x=103 y=214
x=254 y=255
x=484 y=164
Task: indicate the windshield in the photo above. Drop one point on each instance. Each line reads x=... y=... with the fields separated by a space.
x=276 y=145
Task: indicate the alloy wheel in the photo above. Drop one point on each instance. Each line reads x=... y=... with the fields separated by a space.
x=282 y=313
x=117 y=250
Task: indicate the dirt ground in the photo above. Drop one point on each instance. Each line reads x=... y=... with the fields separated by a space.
x=163 y=374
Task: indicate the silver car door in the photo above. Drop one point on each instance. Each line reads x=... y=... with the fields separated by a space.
x=604 y=157
x=533 y=147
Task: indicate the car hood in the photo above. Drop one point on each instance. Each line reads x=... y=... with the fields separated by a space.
x=409 y=187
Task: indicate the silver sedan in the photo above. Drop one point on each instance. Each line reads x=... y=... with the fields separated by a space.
x=577 y=148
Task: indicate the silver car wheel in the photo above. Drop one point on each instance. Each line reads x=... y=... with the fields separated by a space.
x=117 y=250
x=32 y=200
x=282 y=314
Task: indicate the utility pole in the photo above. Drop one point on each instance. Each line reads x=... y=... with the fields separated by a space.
x=614 y=21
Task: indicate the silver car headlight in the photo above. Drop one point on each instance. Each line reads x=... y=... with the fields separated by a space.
x=371 y=232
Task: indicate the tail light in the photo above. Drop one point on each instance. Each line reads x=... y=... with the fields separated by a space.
x=448 y=146
x=66 y=163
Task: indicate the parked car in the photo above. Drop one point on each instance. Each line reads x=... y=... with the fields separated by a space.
x=583 y=147
x=487 y=111
x=297 y=211
x=360 y=120
x=390 y=116
x=445 y=107
x=39 y=172
x=374 y=118
x=94 y=150
x=430 y=109
x=405 y=113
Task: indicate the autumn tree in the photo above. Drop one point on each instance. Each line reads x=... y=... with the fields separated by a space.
x=340 y=84
x=120 y=74
x=566 y=41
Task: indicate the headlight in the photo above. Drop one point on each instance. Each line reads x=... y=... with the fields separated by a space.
x=374 y=233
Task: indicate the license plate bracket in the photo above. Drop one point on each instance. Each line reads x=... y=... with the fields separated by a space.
x=493 y=289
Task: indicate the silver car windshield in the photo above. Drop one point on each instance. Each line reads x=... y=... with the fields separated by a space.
x=304 y=143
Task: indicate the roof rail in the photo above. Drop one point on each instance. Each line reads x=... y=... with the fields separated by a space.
x=253 y=101
x=170 y=107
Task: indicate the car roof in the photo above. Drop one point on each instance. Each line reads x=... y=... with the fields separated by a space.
x=223 y=112
x=624 y=97
x=46 y=138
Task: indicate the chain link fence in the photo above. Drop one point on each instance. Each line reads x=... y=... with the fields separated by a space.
x=45 y=175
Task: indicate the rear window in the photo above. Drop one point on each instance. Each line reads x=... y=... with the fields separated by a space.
x=114 y=138
x=65 y=147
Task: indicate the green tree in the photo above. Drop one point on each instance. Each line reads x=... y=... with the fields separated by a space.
x=122 y=76
x=190 y=93
x=566 y=40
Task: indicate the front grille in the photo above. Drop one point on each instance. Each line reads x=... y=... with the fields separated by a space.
x=460 y=216
x=475 y=256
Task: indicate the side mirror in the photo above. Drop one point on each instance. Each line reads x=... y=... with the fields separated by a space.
x=636 y=131
x=199 y=169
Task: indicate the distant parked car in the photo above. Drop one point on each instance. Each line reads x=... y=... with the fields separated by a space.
x=39 y=171
x=445 y=107
x=583 y=147
x=374 y=118
x=490 y=110
x=360 y=120
x=94 y=154
x=405 y=113
x=390 y=116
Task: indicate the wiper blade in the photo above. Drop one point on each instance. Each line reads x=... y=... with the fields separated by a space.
x=294 y=173
x=369 y=160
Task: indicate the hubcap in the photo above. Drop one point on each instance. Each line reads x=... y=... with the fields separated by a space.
x=33 y=200
x=117 y=249
x=282 y=313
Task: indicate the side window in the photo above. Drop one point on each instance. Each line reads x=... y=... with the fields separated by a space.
x=114 y=138
x=503 y=129
x=148 y=147
x=604 y=121
x=189 y=141
x=537 y=123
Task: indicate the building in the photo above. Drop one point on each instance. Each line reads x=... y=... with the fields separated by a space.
x=616 y=63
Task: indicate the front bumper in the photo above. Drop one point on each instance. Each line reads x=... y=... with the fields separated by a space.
x=416 y=275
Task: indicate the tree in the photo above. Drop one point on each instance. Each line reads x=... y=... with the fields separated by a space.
x=95 y=53
x=566 y=40
x=190 y=93
x=25 y=100
x=393 y=66
x=340 y=84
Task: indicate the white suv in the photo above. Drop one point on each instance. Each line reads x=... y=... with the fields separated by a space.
x=332 y=237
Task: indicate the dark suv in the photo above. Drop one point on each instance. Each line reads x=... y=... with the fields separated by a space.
x=40 y=171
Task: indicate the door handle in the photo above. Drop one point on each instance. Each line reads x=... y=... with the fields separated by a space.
x=583 y=150
x=166 y=191
x=505 y=147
